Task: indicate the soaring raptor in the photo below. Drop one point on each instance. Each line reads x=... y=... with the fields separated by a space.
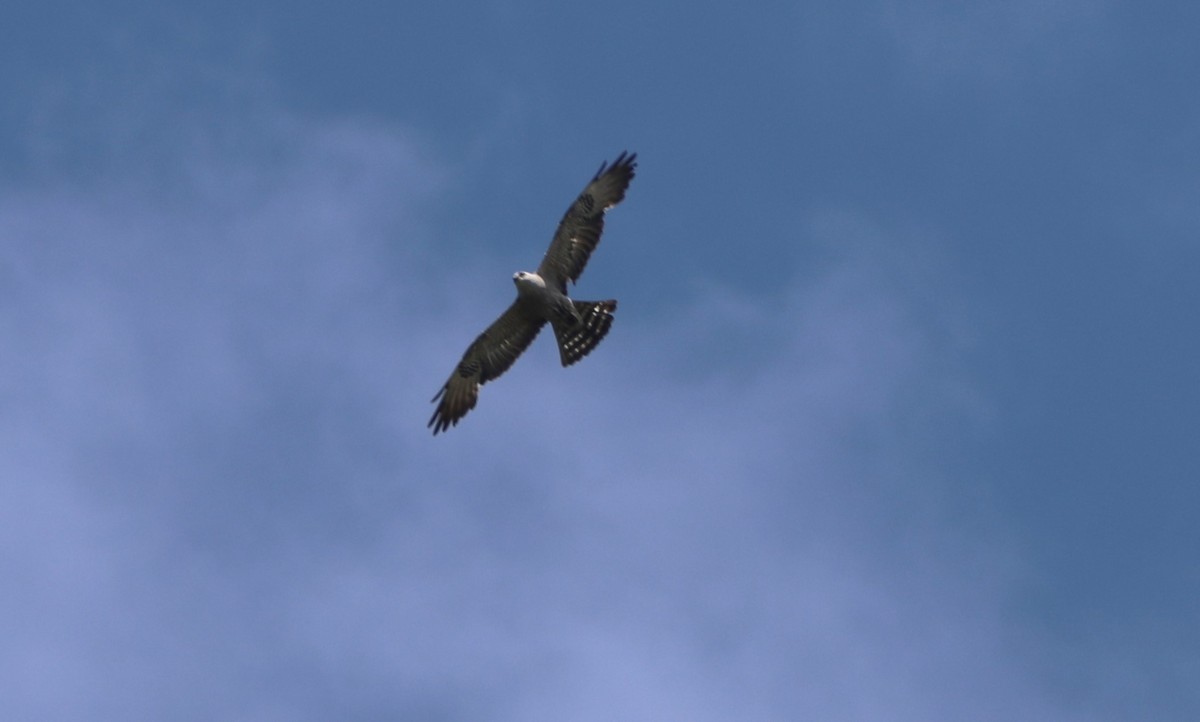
x=542 y=297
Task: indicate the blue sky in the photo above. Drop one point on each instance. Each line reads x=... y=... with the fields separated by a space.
x=896 y=420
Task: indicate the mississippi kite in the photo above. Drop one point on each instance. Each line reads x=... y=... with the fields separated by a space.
x=542 y=297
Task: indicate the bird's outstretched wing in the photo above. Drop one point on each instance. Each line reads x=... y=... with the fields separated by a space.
x=580 y=229
x=486 y=358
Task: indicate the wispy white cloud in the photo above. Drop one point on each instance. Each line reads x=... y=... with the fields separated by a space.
x=223 y=501
x=168 y=344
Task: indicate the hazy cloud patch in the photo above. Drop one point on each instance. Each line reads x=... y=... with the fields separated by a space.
x=219 y=389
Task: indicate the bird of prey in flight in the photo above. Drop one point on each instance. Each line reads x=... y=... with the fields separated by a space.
x=542 y=298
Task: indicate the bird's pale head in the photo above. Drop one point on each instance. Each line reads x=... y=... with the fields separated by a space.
x=529 y=280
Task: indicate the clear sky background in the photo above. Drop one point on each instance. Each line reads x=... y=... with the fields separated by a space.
x=898 y=419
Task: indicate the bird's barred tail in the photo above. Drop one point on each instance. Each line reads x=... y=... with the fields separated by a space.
x=576 y=340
